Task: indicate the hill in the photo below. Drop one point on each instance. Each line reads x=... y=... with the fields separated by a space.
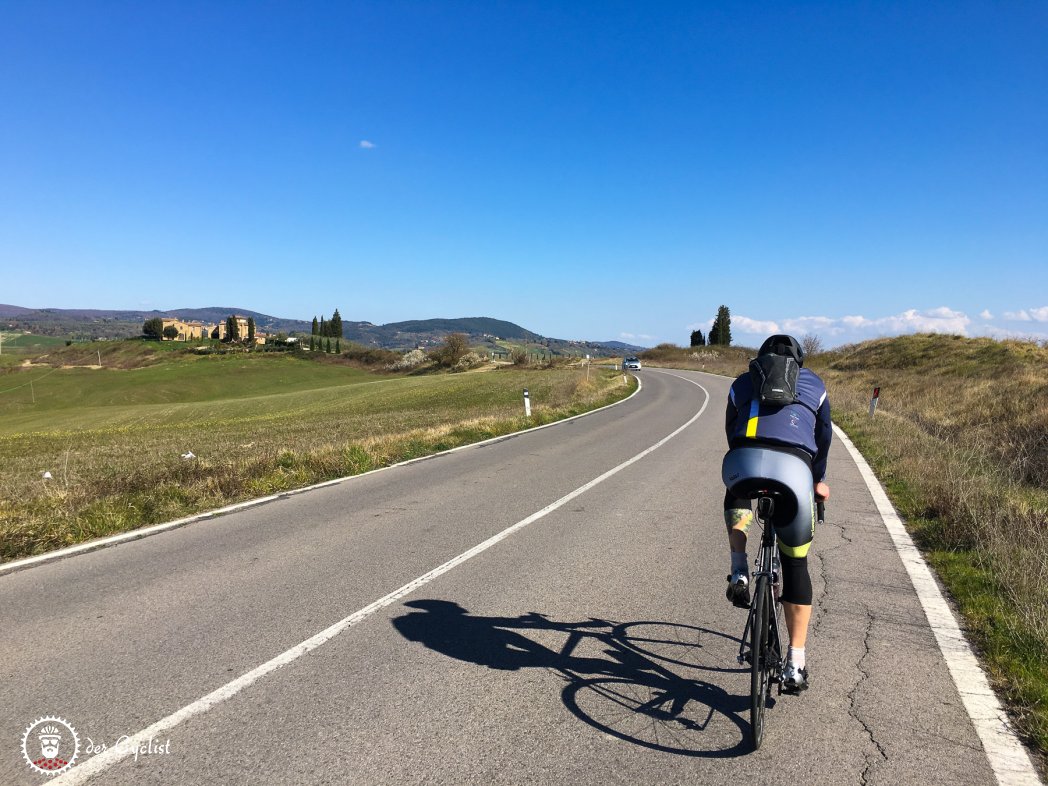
x=89 y=324
x=960 y=441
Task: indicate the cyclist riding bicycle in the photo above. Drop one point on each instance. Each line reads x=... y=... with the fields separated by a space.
x=779 y=431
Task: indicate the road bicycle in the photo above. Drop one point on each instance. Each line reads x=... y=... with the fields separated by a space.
x=761 y=644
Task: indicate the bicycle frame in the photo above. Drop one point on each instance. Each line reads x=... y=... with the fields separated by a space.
x=764 y=566
x=762 y=632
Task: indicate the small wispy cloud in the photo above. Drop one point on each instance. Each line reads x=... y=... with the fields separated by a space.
x=747 y=325
x=367 y=144
x=1028 y=315
x=985 y=314
x=803 y=325
x=992 y=331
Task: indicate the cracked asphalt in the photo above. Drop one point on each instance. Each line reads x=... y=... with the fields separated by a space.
x=593 y=646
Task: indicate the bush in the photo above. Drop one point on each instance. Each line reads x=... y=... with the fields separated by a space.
x=455 y=346
x=370 y=356
x=468 y=361
x=519 y=357
x=408 y=361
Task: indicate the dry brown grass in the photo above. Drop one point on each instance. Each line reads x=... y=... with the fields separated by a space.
x=960 y=439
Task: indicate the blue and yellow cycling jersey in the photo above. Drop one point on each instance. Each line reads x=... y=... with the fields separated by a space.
x=805 y=425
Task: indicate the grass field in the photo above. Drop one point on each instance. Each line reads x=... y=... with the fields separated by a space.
x=113 y=439
x=960 y=441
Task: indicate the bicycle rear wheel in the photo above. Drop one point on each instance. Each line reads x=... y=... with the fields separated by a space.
x=760 y=659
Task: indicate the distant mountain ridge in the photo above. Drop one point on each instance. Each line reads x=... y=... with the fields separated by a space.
x=113 y=323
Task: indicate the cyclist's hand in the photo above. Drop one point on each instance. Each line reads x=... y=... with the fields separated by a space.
x=822 y=491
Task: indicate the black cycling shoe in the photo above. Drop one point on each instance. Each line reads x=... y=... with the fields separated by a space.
x=794 y=680
x=738 y=591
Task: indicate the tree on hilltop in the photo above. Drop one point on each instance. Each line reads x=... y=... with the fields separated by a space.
x=336 y=325
x=720 y=333
x=697 y=339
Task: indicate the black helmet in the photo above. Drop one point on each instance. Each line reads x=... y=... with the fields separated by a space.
x=781 y=344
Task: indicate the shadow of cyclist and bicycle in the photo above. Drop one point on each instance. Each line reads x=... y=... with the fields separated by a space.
x=624 y=679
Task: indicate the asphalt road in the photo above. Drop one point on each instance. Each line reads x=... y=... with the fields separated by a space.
x=593 y=645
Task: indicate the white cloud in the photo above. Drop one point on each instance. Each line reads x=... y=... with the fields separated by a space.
x=985 y=314
x=1028 y=315
x=946 y=313
x=636 y=337
x=1017 y=316
x=855 y=327
x=803 y=325
x=747 y=325
x=366 y=145
x=992 y=331
x=938 y=320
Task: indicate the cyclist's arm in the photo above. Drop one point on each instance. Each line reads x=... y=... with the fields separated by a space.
x=823 y=437
x=731 y=415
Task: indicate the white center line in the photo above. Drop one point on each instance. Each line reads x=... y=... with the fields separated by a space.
x=103 y=761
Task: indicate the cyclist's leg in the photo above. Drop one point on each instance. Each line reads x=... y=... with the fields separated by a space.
x=796 y=530
x=738 y=516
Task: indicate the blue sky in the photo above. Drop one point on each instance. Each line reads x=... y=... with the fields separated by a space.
x=588 y=170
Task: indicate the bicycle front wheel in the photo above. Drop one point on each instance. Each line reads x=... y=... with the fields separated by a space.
x=760 y=659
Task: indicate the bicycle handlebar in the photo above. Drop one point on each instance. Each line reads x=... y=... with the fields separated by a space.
x=820 y=509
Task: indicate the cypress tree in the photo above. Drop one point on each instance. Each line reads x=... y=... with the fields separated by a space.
x=336 y=325
x=720 y=333
x=328 y=350
x=316 y=327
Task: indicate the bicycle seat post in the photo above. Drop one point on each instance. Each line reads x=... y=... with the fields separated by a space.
x=765 y=508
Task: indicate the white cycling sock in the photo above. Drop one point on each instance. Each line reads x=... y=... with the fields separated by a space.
x=796 y=657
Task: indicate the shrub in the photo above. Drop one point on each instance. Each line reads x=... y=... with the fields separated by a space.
x=408 y=361
x=519 y=357
x=370 y=356
x=451 y=351
x=468 y=361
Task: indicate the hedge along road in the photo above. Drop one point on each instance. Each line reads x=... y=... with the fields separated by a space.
x=546 y=607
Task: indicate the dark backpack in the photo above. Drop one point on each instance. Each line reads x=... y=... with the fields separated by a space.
x=775 y=379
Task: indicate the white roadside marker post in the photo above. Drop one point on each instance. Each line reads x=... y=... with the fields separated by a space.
x=527 y=404
x=873 y=401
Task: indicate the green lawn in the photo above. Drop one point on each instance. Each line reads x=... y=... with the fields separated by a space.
x=184 y=390
x=113 y=439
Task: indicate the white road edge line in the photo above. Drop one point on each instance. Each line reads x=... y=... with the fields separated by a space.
x=103 y=761
x=1008 y=758
x=145 y=532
